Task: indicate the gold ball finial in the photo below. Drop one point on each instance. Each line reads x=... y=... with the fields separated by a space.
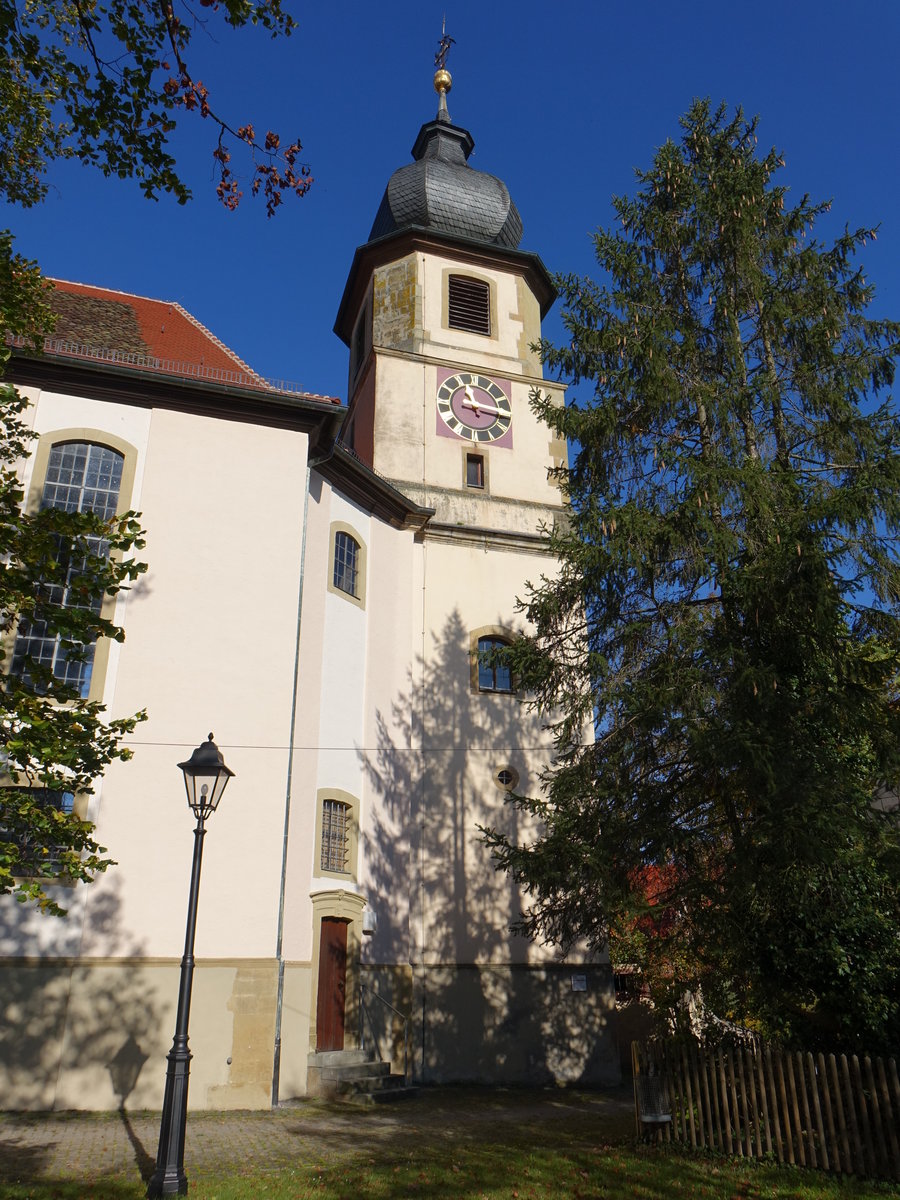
x=443 y=81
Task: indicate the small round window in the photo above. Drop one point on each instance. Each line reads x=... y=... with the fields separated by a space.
x=506 y=779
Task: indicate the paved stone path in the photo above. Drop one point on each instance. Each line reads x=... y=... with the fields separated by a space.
x=91 y=1146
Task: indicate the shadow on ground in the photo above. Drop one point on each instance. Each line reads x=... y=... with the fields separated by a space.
x=68 y=1148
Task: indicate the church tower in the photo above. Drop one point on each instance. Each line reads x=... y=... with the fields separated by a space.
x=440 y=313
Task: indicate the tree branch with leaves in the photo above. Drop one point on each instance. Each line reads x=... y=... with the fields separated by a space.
x=53 y=741
x=104 y=82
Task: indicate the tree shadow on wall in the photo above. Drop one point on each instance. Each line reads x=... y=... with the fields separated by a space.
x=75 y=1035
x=478 y=1013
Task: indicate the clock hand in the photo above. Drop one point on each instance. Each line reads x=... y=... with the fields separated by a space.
x=471 y=402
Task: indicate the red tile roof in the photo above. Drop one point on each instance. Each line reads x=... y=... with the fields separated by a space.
x=146 y=335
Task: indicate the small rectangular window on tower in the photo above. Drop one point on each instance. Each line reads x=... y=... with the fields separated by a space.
x=469 y=304
x=474 y=471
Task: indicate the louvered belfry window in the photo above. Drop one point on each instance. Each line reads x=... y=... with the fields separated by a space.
x=469 y=304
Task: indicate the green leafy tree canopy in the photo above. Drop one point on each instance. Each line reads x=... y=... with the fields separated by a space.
x=51 y=738
x=105 y=81
x=718 y=656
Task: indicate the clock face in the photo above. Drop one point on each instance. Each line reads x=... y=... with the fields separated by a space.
x=474 y=407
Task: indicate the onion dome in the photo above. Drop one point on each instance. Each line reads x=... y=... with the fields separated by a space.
x=441 y=193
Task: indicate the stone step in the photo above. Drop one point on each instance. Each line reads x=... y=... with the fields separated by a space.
x=357 y=1072
x=343 y=1074
x=388 y=1094
x=339 y=1058
x=372 y=1086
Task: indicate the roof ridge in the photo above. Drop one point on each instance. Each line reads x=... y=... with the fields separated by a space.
x=212 y=337
x=99 y=287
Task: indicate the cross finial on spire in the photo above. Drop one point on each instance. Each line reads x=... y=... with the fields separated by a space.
x=440 y=59
x=443 y=80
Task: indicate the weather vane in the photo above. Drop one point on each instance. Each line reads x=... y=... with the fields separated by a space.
x=440 y=59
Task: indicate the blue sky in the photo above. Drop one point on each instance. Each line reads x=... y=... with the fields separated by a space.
x=562 y=103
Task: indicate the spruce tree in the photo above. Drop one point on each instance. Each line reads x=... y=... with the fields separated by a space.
x=718 y=656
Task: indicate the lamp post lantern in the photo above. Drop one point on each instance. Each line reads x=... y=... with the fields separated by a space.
x=205 y=779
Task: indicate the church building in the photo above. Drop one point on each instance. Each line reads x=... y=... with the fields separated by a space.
x=325 y=586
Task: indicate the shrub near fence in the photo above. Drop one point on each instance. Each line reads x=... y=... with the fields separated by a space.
x=828 y=1112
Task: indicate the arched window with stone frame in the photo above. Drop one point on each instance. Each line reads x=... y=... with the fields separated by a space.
x=76 y=471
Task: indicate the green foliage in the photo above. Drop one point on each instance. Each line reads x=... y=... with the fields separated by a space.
x=105 y=82
x=24 y=312
x=725 y=620
x=51 y=737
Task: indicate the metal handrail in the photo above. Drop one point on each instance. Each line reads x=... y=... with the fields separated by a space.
x=245 y=377
x=365 y=1015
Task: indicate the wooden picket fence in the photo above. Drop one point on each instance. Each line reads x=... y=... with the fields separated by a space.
x=749 y=1099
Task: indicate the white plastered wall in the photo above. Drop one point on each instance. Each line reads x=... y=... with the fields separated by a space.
x=24 y=931
x=210 y=631
x=469 y=737
x=354 y=660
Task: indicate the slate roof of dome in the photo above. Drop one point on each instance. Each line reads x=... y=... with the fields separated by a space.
x=440 y=192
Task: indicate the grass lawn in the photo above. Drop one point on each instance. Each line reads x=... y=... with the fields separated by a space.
x=614 y=1173
x=511 y=1169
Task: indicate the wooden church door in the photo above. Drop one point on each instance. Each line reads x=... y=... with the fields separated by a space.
x=332 y=985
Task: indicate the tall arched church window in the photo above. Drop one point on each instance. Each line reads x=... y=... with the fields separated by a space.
x=494 y=675
x=469 y=304
x=337 y=834
x=35 y=858
x=347 y=565
x=80 y=477
x=336 y=818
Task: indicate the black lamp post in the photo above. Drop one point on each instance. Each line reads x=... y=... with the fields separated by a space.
x=205 y=777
